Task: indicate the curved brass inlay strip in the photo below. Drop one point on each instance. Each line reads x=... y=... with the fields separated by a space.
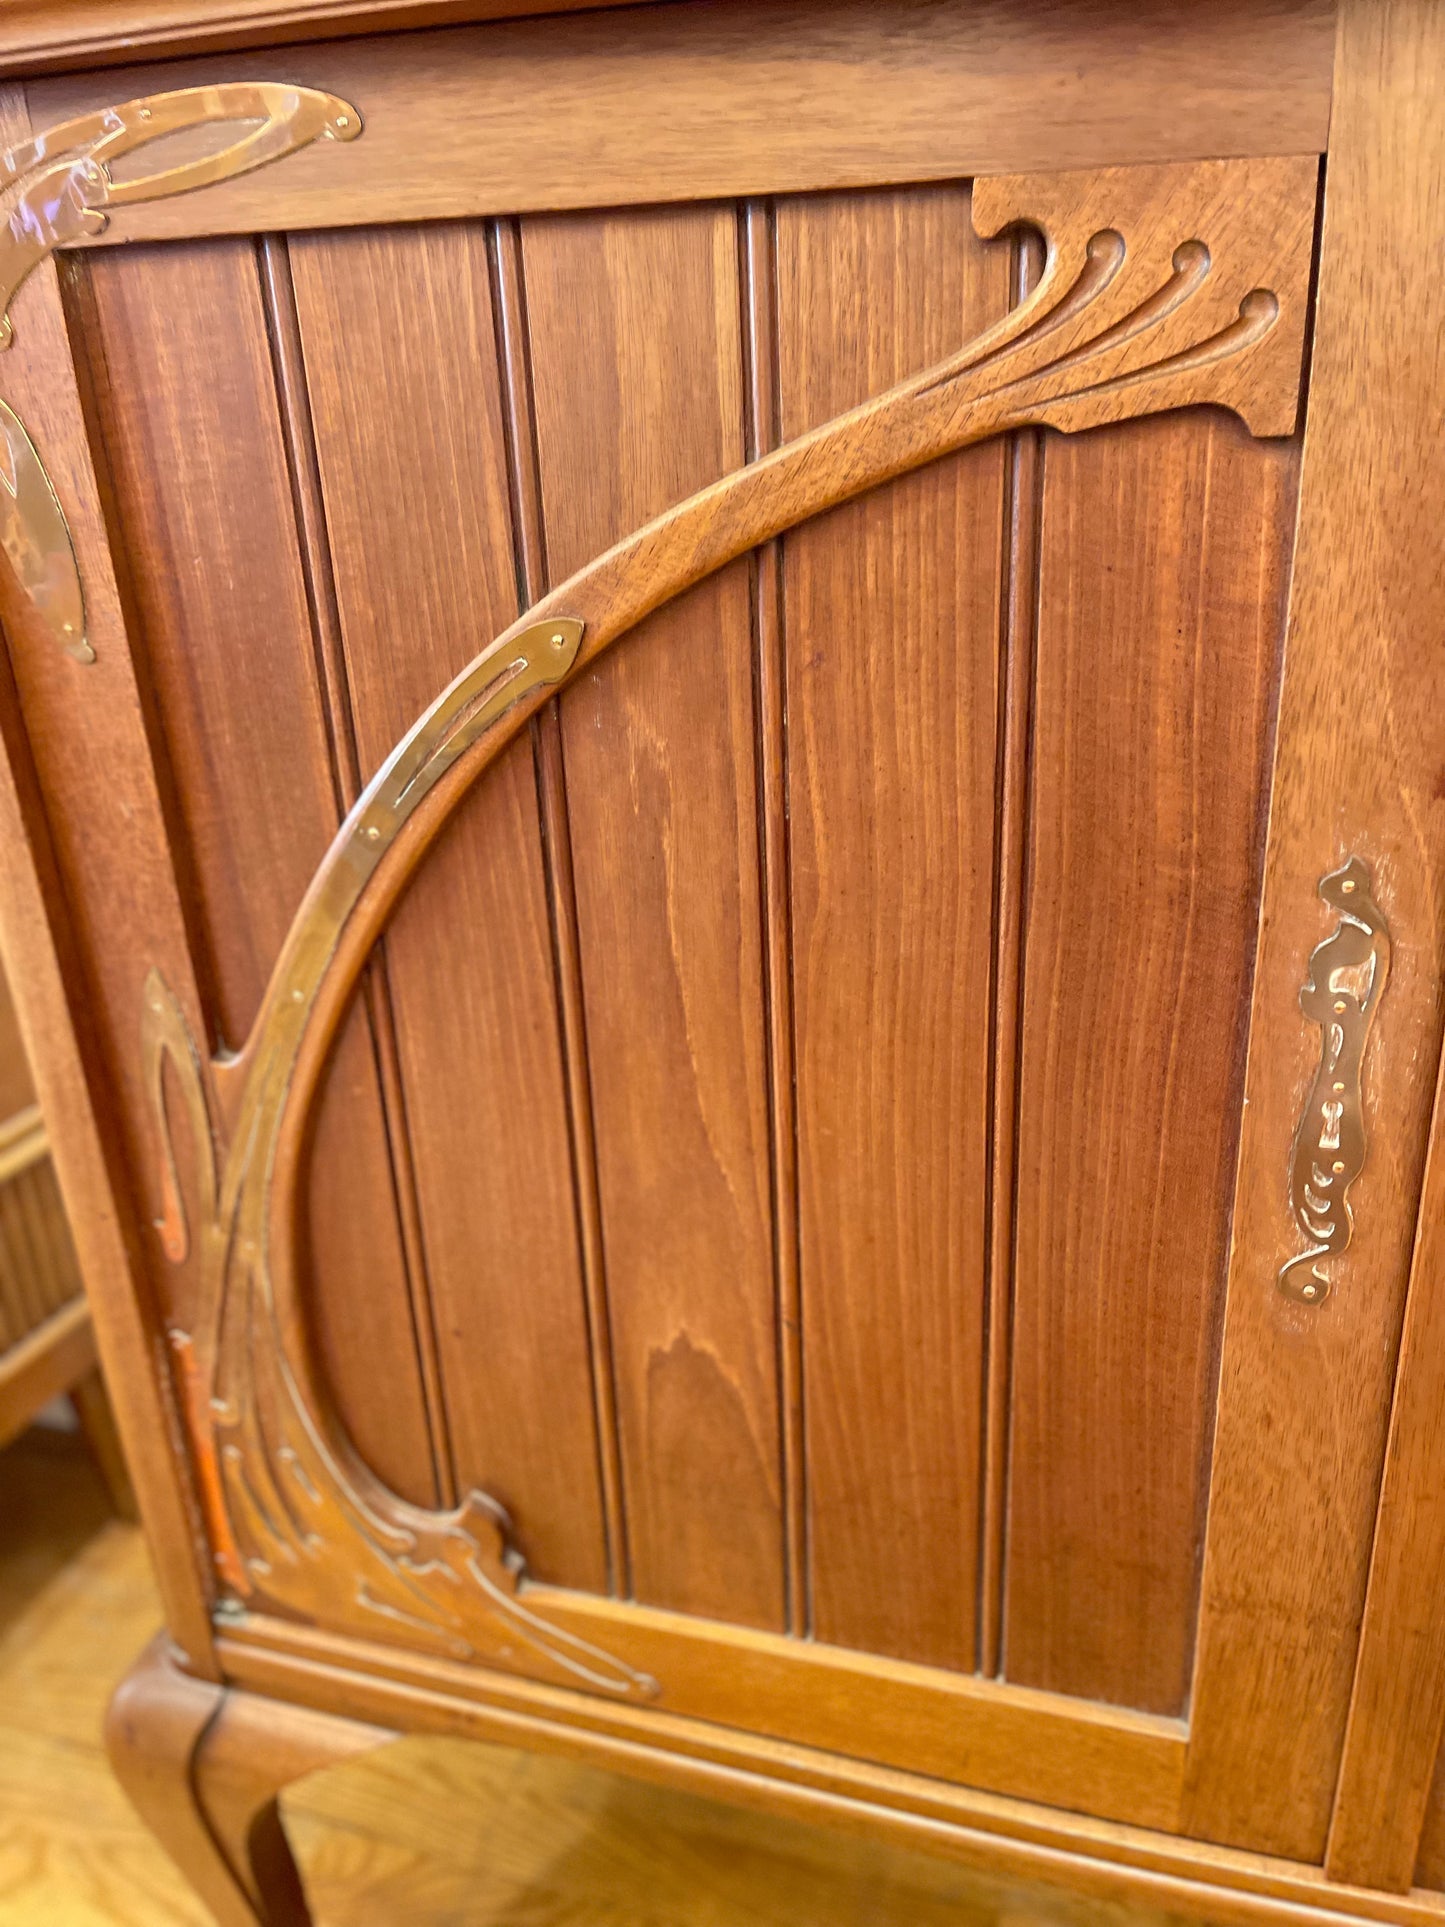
x=1163 y=287
x=62 y=191
x=36 y=537
x=1347 y=978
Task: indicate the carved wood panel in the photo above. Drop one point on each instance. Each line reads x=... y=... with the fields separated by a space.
x=587 y=1259
x=1160 y=288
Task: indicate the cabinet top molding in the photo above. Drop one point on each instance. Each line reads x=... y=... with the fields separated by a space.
x=57 y=36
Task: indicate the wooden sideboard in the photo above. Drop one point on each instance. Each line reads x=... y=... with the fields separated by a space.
x=723 y=848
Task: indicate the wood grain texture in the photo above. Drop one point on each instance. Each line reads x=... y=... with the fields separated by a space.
x=751 y=99
x=1022 y=509
x=1357 y=771
x=892 y=612
x=763 y=411
x=633 y=410
x=402 y=366
x=1430 y=1862
x=188 y=420
x=1397 y=1706
x=51 y=36
x=1164 y=564
x=514 y=350
x=83 y=866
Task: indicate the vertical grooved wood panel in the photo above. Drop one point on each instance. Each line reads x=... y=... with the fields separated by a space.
x=635 y=334
x=892 y=622
x=1163 y=573
x=402 y=368
x=189 y=425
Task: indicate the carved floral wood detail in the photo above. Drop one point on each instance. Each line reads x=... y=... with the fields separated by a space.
x=1163 y=287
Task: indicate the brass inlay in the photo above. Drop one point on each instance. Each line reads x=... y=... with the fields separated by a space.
x=36 y=536
x=294 y=1508
x=57 y=188
x=69 y=192
x=1347 y=976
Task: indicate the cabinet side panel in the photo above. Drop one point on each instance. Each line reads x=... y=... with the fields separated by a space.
x=636 y=351
x=191 y=438
x=892 y=624
x=401 y=363
x=1163 y=574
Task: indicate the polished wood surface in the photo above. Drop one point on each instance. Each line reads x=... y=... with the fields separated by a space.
x=658 y=747
x=54 y=35
x=1397 y=1706
x=469 y=961
x=891 y=778
x=233 y=681
x=751 y=99
x=1140 y=915
x=1397 y=1712
x=1356 y=770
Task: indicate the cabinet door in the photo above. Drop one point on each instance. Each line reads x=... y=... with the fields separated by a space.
x=732 y=1152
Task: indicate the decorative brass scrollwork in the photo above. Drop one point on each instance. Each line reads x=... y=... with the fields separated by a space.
x=295 y=1507
x=56 y=189
x=1346 y=981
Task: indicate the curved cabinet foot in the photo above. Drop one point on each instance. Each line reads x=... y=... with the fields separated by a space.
x=204 y=1765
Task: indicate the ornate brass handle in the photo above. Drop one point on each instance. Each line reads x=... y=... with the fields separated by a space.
x=1346 y=980
x=66 y=194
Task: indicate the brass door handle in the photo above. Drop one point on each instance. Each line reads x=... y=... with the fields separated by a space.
x=1346 y=979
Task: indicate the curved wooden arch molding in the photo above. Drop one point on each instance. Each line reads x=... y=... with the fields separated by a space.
x=1163 y=287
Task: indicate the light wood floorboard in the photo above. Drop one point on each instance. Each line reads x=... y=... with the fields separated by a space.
x=430 y=1833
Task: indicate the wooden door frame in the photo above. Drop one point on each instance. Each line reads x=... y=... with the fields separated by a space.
x=1357 y=770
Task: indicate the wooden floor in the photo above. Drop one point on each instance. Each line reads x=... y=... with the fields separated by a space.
x=429 y=1833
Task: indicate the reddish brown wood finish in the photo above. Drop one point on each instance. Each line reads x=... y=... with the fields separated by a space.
x=1358 y=769
x=662 y=805
x=187 y=416
x=399 y=343
x=891 y=612
x=562 y=1115
x=1163 y=568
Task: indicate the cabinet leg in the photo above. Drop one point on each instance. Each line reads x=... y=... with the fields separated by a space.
x=203 y=1765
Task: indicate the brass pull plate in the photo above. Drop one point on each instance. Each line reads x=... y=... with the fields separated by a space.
x=1346 y=979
